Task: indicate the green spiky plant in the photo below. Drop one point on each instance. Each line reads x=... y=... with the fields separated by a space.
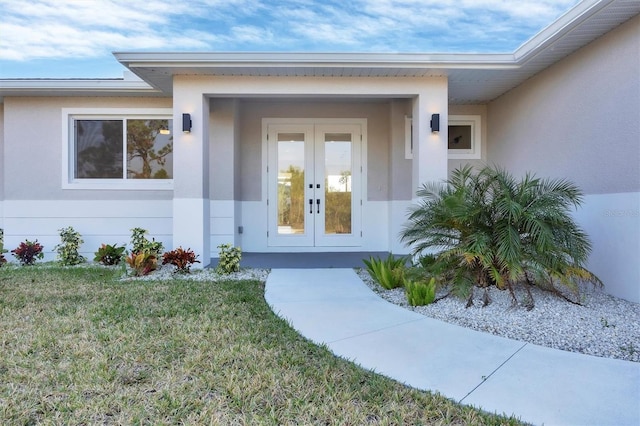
x=389 y=272
x=489 y=229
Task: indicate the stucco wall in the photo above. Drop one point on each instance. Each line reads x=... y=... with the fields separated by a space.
x=1 y=154
x=33 y=148
x=480 y=110
x=579 y=119
x=252 y=112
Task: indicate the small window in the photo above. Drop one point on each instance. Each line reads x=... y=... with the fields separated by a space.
x=465 y=137
x=124 y=151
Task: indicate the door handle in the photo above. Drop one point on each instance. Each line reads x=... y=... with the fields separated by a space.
x=310 y=206
x=318 y=203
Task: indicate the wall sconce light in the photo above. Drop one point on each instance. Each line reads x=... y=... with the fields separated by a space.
x=186 y=123
x=435 y=123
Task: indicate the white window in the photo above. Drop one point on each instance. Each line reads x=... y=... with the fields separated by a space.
x=117 y=149
x=465 y=137
x=408 y=138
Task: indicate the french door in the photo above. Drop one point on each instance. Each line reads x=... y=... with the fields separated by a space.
x=314 y=181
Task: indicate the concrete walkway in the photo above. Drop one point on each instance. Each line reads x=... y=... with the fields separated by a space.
x=537 y=384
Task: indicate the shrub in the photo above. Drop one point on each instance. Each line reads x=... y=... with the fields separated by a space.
x=229 y=259
x=109 y=254
x=181 y=259
x=140 y=243
x=491 y=230
x=69 y=246
x=27 y=252
x=142 y=263
x=2 y=249
x=389 y=272
x=420 y=293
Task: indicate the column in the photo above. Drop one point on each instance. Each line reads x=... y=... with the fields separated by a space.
x=191 y=216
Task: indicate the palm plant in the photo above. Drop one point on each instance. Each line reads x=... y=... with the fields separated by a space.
x=487 y=228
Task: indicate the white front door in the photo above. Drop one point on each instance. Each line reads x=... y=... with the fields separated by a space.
x=314 y=184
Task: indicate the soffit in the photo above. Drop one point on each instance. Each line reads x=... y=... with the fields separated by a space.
x=77 y=87
x=473 y=78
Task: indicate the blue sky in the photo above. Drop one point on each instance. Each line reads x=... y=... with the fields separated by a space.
x=75 y=38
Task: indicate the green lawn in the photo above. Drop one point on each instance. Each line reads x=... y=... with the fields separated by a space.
x=78 y=346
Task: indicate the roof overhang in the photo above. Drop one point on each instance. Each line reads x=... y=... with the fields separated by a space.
x=472 y=78
x=129 y=86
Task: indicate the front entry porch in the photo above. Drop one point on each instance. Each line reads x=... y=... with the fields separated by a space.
x=305 y=260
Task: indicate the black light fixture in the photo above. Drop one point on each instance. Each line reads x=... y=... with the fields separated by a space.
x=435 y=123
x=186 y=123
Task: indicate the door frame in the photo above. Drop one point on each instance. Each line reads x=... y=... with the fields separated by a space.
x=342 y=242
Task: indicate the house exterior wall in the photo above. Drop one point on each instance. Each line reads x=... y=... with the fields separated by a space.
x=1 y=166
x=382 y=221
x=381 y=189
x=580 y=120
x=35 y=206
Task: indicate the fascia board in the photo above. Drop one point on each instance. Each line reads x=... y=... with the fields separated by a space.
x=557 y=29
x=135 y=60
x=54 y=87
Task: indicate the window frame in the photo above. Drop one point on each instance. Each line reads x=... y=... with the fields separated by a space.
x=70 y=115
x=475 y=122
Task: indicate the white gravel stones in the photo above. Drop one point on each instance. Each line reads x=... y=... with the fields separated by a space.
x=602 y=326
x=167 y=272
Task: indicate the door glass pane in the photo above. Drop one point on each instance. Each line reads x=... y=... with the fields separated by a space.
x=337 y=169
x=291 y=208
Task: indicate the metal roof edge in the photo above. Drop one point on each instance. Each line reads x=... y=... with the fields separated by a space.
x=558 y=28
x=62 y=87
x=307 y=59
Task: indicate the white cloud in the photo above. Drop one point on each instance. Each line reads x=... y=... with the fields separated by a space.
x=93 y=28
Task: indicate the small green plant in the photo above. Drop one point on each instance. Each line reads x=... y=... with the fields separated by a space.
x=70 y=242
x=109 y=254
x=142 y=263
x=181 y=259
x=389 y=272
x=605 y=323
x=140 y=243
x=28 y=251
x=420 y=293
x=229 y=259
x=2 y=249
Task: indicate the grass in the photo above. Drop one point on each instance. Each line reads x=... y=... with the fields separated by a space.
x=78 y=346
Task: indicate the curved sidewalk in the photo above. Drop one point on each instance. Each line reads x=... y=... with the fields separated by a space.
x=536 y=384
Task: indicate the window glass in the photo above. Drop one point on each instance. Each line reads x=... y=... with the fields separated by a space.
x=100 y=146
x=99 y=149
x=149 y=149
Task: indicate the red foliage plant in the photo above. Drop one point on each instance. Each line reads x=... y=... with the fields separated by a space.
x=180 y=258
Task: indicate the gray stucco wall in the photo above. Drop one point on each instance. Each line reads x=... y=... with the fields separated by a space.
x=2 y=179
x=579 y=119
x=252 y=112
x=33 y=148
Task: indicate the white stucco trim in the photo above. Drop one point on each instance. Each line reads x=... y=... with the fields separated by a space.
x=68 y=153
x=98 y=221
x=612 y=222
x=191 y=227
x=223 y=224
